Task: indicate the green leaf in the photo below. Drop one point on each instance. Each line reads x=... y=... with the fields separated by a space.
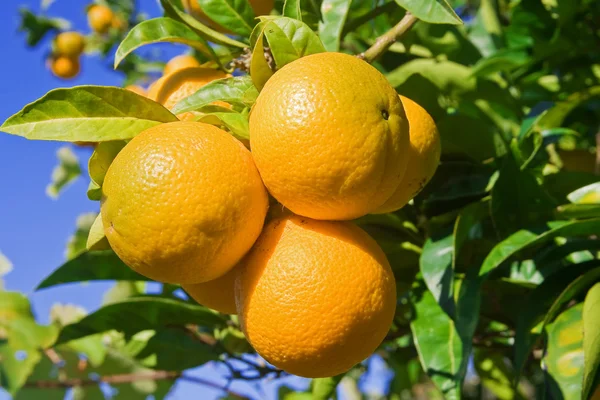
x=290 y=39
x=37 y=26
x=260 y=71
x=554 y=117
x=16 y=366
x=138 y=314
x=236 y=15
x=91 y=266
x=101 y=158
x=292 y=9
x=94 y=191
x=172 y=349
x=546 y=301
x=525 y=239
x=324 y=388
x=235 y=123
x=76 y=244
x=96 y=239
x=579 y=211
x=467 y=226
x=176 y=12
x=586 y=195
x=88 y=114
x=501 y=61
x=122 y=291
x=335 y=14
x=591 y=341
x=495 y=374
x=438 y=343
x=564 y=354
x=436 y=268
x=432 y=11
x=64 y=173
x=238 y=90
x=518 y=200
x=159 y=30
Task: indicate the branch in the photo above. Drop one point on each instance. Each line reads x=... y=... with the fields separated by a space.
x=128 y=378
x=389 y=38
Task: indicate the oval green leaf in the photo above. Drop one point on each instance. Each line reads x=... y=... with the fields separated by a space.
x=87 y=114
x=335 y=13
x=160 y=30
x=137 y=314
x=237 y=90
x=235 y=123
x=236 y=15
x=591 y=341
x=260 y=71
x=432 y=11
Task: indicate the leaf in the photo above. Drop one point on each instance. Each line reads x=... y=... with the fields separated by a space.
x=138 y=314
x=436 y=268
x=16 y=366
x=260 y=71
x=591 y=341
x=579 y=211
x=64 y=173
x=176 y=12
x=235 y=123
x=501 y=61
x=238 y=90
x=91 y=266
x=101 y=158
x=160 y=30
x=467 y=226
x=438 y=343
x=495 y=374
x=546 y=301
x=432 y=11
x=96 y=239
x=94 y=191
x=518 y=200
x=589 y=194
x=335 y=14
x=236 y=15
x=172 y=349
x=324 y=388
x=122 y=291
x=38 y=26
x=88 y=114
x=564 y=354
x=292 y=9
x=76 y=244
x=525 y=239
x=554 y=117
x=290 y=39
x=5 y=265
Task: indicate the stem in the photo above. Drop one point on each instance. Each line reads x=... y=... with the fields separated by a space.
x=389 y=38
x=128 y=378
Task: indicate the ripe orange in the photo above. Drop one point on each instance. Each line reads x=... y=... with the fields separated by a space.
x=330 y=137
x=314 y=298
x=69 y=44
x=423 y=160
x=260 y=7
x=100 y=18
x=65 y=67
x=216 y=294
x=172 y=88
x=180 y=62
x=183 y=202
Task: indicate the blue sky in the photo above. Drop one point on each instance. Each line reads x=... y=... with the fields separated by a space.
x=34 y=228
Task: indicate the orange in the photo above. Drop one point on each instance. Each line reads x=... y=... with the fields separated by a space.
x=183 y=202
x=216 y=294
x=260 y=7
x=70 y=44
x=423 y=160
x=180 y=62
x=100 y=18
x=136 y=89
x=65 y=67
x=330 y=137
x=172 y=88
x=315 y=298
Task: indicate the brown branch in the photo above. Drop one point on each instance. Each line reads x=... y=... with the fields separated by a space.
x=389 y=38
x=128 y=378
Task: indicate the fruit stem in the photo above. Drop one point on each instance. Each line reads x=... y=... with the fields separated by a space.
x=389 y=38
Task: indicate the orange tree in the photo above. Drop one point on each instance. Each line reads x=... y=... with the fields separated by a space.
x=495 y=262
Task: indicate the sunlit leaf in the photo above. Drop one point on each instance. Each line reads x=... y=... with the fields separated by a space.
x=64 y=173
x=76 y=244
x=236 y=15
x=335 y=13
x=237 y=90
x=591 y=341
x=432 y=11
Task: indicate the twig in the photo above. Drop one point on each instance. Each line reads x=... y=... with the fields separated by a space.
x=128 y=378
x=389 y=38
